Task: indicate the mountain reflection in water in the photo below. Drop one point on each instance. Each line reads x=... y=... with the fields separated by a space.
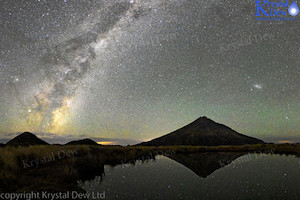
x=222 y=175
x=204 y=164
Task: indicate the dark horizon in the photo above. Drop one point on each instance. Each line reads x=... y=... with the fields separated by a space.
x=124 y=142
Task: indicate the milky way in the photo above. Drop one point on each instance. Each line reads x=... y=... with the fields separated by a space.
x=140 y=69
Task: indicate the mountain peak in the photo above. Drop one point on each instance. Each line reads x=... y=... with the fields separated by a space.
x=26 y=139
x=205 y=132
x=28 y=134
x=83 y=142
x=203 y=119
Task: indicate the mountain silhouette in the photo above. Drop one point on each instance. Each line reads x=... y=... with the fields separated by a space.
x=2 y=145
x=205 y=132
x=26 y=139
x=83 y=142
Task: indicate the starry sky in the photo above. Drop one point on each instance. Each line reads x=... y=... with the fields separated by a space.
x=138 y=69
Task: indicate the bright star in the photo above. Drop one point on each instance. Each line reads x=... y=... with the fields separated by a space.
x=258 y=86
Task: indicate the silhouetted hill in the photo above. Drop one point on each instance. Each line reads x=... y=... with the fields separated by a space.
x=2 y=145
x=203 y=131
x=26 y=139
x=83 y=142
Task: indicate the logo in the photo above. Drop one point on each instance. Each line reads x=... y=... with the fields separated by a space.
x=294 y=10
x=267 y=10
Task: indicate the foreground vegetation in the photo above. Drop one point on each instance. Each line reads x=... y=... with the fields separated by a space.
x=58 y=168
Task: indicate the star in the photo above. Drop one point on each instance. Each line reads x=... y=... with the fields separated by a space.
x=258 y=86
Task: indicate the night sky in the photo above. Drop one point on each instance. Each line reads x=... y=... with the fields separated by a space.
x=136 y=70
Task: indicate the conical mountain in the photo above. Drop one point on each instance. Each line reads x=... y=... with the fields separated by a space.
x=204 y=132
x=26 y=139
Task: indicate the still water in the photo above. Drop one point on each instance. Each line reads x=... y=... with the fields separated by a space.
x=201 y=176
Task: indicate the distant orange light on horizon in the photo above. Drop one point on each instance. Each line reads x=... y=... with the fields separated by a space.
x=286 y=141
x=106 y=143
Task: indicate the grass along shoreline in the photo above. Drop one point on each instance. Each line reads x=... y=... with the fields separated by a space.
x=113 y=154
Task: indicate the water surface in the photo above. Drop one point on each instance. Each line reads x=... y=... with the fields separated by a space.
x=202 y=176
